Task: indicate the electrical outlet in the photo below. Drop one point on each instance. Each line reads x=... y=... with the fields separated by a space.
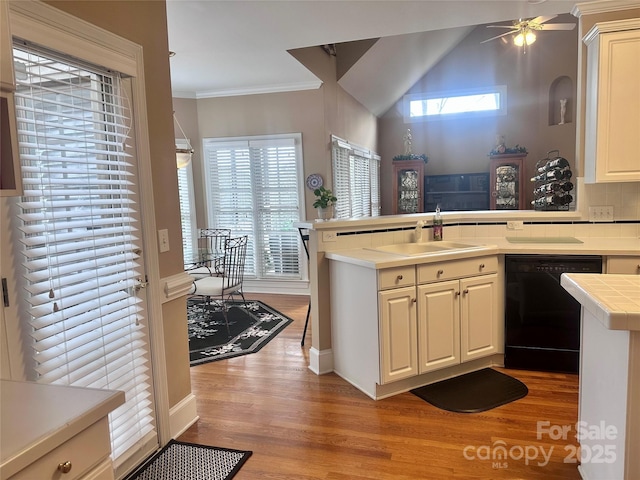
x=163 y=240
x=329 y=236
x=602 y=213
x=515 y=225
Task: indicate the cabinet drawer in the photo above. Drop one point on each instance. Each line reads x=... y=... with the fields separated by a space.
x=623 y=265
x=85 y=450
x=396 y=277
x=435 y=272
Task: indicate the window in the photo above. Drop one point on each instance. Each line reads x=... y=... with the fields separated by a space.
x=356 y=180
x=187 y=209
x=78 y=238
x=467 y=103
x=253 y=187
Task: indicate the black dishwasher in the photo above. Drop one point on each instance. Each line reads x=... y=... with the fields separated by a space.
x=542 y=321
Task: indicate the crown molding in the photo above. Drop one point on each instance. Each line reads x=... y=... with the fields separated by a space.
x=602 y=6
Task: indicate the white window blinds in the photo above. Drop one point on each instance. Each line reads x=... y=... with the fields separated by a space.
x=187 y=211
x=356 y=180
x=80 y=238
x=253 y=187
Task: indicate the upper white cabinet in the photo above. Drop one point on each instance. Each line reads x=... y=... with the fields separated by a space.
x=612 y=139
x=7 y=82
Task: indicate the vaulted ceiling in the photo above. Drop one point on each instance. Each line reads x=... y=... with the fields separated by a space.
x=241 y=47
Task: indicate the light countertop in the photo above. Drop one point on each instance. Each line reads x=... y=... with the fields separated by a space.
x=370 y=258
x=612 y=299
x=35 y=418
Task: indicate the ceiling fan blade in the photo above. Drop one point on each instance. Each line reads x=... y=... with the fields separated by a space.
x=543 y=19
x=493 y=38
x=558 y=26
x=512 y=27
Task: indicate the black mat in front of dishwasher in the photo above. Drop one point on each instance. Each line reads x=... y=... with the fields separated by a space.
x=473 y=392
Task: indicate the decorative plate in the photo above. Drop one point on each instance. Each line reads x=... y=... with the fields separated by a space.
x=314 y=181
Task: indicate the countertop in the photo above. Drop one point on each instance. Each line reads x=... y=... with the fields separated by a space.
x=612 y=299
x=369 y=258
x=35 y=418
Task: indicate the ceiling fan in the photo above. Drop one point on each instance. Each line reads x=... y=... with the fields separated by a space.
x=524 y=29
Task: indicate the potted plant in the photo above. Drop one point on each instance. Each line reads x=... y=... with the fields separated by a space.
x=324 y=202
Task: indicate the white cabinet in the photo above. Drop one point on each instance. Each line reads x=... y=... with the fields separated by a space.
x=626 y=265
x=612 y=118
x=457 y=319
x=398 y=334
x=391 y=327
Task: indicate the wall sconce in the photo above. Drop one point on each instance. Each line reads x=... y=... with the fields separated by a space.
x=183 y=155
x=525 y=37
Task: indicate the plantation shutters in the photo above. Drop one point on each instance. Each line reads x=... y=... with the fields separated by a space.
x=356 y=180
x=187 y=211
x=253 y=188
x=79 y=232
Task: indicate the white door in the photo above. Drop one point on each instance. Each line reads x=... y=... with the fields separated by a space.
x=398 y=334
x=478 y=316
x=439 y=325
x=76 y=268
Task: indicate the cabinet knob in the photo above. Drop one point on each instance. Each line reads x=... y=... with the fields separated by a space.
x=481 y=266
x=414 y=300
x=440 y=272
x=465 y=291
x=399 y=277
x=64 y=467
x=457 y=294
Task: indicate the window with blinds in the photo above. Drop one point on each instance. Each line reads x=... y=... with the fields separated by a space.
x=253 y=188
x=356 y=180
x=79 y=239
x=187 y=211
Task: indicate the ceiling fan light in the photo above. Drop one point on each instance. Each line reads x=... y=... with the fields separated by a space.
x=524 y=38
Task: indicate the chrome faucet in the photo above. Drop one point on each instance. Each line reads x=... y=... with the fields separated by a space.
x=418 y=233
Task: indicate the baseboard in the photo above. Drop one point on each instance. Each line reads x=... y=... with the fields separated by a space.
x=320 y=362
x=183 y=415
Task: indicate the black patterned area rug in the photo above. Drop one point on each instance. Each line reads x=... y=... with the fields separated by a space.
x=473 y=392
x=252 y=325
x=188 y=461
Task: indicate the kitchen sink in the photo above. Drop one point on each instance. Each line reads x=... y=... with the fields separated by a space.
x=412 y=249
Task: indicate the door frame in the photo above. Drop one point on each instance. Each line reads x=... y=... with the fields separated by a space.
x=50 y=27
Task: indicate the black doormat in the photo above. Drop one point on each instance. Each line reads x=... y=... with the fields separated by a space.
x=252 y=325
x=188 y=461
x=473 y=392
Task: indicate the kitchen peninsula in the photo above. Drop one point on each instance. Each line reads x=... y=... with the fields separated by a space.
x=609 y=408
x=617 y=243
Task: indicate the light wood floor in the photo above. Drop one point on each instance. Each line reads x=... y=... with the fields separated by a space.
x=303 y=426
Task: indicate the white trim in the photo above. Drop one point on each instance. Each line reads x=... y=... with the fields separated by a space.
x=615 y=26
x=320 y=362
x=182 y=415
x=292 y=87
x=45 y=25
x=176 y=286
x=599 y=6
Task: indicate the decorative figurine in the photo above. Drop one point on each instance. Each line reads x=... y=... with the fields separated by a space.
x=563 y=110
x=407 y=142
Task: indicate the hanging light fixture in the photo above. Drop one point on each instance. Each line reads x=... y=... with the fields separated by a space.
x=524 y=37
x=183 y=155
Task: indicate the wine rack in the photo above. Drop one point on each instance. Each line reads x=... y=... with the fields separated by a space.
x=552 y=183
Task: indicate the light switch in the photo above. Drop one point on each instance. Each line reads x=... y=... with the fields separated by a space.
x=163 y=240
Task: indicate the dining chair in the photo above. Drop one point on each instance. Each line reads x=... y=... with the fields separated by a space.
x=211 y=244
x=229 y=282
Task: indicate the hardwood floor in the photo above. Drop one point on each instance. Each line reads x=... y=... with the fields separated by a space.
x=303 y=426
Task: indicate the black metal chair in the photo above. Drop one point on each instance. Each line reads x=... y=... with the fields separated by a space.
x=211 y=245
x=229 y=281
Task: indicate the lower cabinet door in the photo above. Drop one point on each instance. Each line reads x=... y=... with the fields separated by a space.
x=479 y=334
x=438 y=325
x=398 y=334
